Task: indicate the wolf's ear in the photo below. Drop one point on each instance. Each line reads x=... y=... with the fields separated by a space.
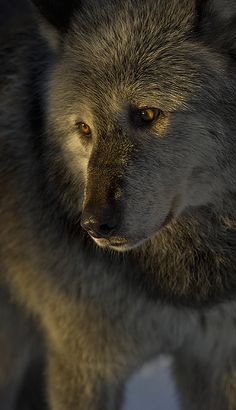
x=216 y=23
x=55 y=17
x=212 y=11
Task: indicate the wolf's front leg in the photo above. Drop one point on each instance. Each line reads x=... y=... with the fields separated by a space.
x=20 y=347
x=87 y=385
x=204 y=385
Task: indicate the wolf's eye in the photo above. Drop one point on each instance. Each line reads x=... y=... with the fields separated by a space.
x=84 y=129
x=148 y=115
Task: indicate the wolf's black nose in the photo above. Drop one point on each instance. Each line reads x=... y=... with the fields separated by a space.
x=100 y=226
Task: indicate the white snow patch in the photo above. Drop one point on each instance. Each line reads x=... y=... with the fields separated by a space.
x=152 y=388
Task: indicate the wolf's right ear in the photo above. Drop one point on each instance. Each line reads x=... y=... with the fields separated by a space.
x=55 y=17
x=216 y=22
x=222 y=9
x=210 y=11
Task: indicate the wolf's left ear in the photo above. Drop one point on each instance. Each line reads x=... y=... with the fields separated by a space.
x=216 y=23
x=55 y=17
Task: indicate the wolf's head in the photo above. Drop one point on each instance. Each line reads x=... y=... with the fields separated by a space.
x=141 y=106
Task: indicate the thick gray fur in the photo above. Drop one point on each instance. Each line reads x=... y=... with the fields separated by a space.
x=97 y=312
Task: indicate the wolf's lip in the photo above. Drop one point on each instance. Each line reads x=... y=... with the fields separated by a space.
x=117 y=244
x=172 y=213
x=109 y=242
x=168 y=219
x=97 y=237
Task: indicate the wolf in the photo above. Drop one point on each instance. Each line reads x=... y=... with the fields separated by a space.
x=117 y=204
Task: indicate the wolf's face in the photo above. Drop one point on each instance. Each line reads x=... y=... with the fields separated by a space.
x=137 y=108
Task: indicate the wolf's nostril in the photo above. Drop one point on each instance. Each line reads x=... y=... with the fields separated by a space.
x=99 y=227
x=106 y=229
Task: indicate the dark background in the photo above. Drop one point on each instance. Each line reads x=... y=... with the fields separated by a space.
x=10 y=7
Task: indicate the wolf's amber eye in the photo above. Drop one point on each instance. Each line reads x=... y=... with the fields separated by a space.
x=84 y=129
x=148 y=115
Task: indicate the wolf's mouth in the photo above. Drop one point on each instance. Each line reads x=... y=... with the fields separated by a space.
x=111 y=243
x=122 y=244
x=168 y=219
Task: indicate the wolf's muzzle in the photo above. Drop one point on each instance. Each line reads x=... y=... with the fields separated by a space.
x=100 y=223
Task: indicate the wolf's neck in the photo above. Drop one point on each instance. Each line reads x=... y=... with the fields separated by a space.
x=193 y=258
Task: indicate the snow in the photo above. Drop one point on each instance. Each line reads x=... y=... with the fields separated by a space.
x=152 y=388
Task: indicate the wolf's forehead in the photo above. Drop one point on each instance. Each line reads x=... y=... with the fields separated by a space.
x=121 y=74
x=137 y=28
x=133 y=51
x=130 y=41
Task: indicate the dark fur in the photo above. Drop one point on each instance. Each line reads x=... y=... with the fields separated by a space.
x=100 y=310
